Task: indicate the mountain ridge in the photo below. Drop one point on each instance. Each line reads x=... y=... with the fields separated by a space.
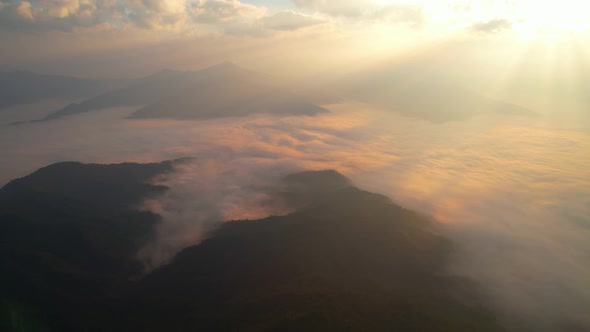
x=222 y=90
x=345 y=260
x=23 y=87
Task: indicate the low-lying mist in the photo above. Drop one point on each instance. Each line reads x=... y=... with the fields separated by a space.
x=514 y=195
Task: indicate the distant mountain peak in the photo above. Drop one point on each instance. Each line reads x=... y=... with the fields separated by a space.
x=228 y=67
x=223 y=69
x=328 y=179
x=227 y=64
x=223 y=90
x=166 y=73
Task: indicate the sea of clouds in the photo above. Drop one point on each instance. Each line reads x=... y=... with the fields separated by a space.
x=514 y=193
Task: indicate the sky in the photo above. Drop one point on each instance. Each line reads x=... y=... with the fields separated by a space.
x=532 y=53
x=37 y=33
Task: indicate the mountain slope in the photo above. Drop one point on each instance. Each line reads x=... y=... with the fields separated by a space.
x=219 y=91
x=345 y=260
x=228 y=91
x=68 y=235
x=21 y=87
x=137 y=93
x=417 y=89
x=349 y=260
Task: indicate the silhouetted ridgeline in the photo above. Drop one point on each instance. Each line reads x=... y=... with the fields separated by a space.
x=415 y=89
x=347 y=259
x=220 y=91
x=21 y=87
x=68 y=235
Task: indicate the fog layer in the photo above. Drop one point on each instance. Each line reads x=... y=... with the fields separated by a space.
x=513 y=194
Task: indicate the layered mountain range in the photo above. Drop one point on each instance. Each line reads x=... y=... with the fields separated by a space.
x=227 y=90
x=345 y=259
x=223 y=90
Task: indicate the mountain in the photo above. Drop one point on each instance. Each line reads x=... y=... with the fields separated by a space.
x=139 y=92
x=20 y=87
x=219 y=91
x=419 y=89
x=69 y=233
x=349 y=260
x=345 y=260
x=227 y=90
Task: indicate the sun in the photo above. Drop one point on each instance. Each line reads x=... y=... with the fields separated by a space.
x=553 y=16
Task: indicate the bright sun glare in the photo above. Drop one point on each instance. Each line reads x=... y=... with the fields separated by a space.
x=525 y=16
x=555 y=16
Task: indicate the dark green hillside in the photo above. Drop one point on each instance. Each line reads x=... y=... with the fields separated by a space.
x=68 y=234
x=349 y=261
x=346 y=260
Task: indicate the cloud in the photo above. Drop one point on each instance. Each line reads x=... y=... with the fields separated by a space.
x=238 y=19
x=460 y=6
x=13 y=15
x=512 y=194
x=230 y=17
x=496 y=25
x=346 y=8
x=224 y=11
x=229 y=188
x=156 y=14
x=290 y=20
x=61 y=15
x=394 y=12
x=401 y=13
x=69 y=15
